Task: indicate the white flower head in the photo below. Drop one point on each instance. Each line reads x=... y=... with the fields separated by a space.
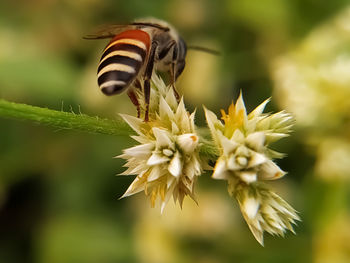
x=243 y=141
x=245 y=160
x=158 y=90
x=263 y=210
x=166 y=161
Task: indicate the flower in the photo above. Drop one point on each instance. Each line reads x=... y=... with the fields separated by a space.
x=312 y=79
x=166 y=161
x=243 y=140
x=263 y=210
x=245 y=160
x=158 y=90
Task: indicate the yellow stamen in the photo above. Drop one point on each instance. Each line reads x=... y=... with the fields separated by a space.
x=153 y=198
x=143 y=180
x=232 y=120
x=162 y=192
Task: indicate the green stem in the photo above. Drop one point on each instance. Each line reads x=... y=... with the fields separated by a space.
x=63 y=120
x=80 y=122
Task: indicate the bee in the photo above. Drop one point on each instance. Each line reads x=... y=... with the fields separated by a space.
x=134 y=51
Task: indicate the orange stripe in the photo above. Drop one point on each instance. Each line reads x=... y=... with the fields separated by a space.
x=134 y=34
x=129 y=41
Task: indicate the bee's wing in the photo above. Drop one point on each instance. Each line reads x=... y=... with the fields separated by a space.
x=108 y=31
x=150 y=24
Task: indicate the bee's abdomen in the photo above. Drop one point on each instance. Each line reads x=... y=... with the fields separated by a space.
x=122 y=60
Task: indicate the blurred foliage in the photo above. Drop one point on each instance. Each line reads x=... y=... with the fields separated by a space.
x=58 y=193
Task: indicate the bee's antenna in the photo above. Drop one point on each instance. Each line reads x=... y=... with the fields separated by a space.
x=204 y=49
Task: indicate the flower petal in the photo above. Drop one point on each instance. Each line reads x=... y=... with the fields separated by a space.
x=238 y=136
x=175 y=165
x=232 y=164
x=239 y=106
x=138 y=169
x=162 y=138
x=164 y=110
x=228 y=146
x=171 y=99
x=156 y=159
x=136 y=186
x=191 y=119
x=215 y=126
x=256 y=141
x=170 y=181
x=270 y=171
x=154 y=174
x=256 y=159
x=220 y=170
x=251 y=206
x=188 y=142
x=174 y=128
x=140 y=139
x=134 y=123
x=274 y=136
x=182 y=117
x=140 y=151
x=248 y=176
x=258 y=110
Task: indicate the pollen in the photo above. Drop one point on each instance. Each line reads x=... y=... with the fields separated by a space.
x=194 y=138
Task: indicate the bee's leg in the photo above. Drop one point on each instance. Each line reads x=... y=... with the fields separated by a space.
x=133 y=97
x=173 y=73
x=148 y=76
x=173 y=79
x=162 y=54
x=138 y=84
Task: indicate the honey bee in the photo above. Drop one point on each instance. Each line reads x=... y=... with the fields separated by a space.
x=132 y=54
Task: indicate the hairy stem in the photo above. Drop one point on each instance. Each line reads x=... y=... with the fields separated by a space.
x=62 y=120
x=79 y=122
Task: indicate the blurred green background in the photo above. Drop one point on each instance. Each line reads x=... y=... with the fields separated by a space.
x=58 y=189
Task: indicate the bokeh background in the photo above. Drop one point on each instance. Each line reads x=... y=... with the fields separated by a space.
x=58 y=189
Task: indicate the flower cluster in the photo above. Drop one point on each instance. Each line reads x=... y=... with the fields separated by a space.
x=263 y=209
x=167 y=161
x=243 y=141
x=245 y=160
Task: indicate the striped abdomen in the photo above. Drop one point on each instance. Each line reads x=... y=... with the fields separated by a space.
x=122 y=60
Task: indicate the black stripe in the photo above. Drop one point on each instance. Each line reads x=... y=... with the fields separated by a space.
x=135 y=64
x=116 y=75
x=125 y=47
